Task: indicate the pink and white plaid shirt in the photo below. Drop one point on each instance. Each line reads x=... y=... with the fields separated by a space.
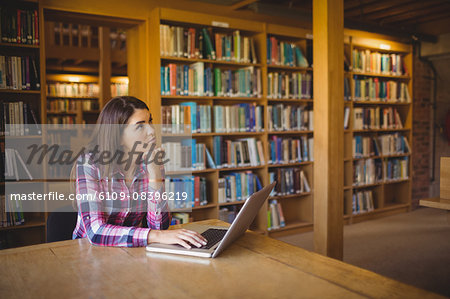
x=117 y=222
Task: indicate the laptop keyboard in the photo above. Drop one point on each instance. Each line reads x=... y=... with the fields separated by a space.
x=213 y=236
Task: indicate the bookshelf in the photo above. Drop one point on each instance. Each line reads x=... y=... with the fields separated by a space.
x=21 y=95
x=388 y=196
x=389 y=92
x=297 y=208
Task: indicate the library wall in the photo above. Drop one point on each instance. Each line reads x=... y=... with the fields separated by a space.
x=442 y=148
x=421 y=131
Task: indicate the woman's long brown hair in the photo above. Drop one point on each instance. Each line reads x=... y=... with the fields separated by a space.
x=107 y=133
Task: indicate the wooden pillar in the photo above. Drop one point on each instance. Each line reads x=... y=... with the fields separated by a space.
x=105 y=65
x=328 y=55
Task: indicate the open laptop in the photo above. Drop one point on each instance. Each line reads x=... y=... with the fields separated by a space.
x=219 y=238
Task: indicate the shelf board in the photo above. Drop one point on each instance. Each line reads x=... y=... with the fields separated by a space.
x=289 y=132
x=367 y=185
x=213 y=134
x=395 y=181
x=241 y=168
x=208 y=206
x=223 y=62
x=379 y=103
x=250 y=99
x=365 y=158
x=292 y=225
x=22 y=136
x=290 y=164
x=27 y=224
x=380 y=130
x=72 y=98
x=291 y=101
x=289 y=68
x=62 y=112
x=15 y=45
x=288 y=196
x=20 y=91
x=397 y=155
x=403 y=77
x=223 y=204
x=207 y=170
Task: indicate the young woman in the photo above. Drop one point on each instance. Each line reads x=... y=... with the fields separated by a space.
x=119 y=169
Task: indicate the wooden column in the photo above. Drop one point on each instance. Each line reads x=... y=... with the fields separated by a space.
x=105 y=65
x=328 y=44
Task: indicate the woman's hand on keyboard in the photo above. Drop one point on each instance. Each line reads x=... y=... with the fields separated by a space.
x=182 y=237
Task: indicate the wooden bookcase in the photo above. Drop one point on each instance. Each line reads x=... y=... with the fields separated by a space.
x=223 y=25
x=389 y=196
x=297 y=208
x=33 y=230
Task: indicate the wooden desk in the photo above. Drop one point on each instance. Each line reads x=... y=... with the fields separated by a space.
x=253 y=267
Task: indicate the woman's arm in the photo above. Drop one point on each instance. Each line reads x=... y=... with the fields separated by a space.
x=94 y=217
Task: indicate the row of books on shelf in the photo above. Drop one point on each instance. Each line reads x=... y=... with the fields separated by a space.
x=289 y=181
x=378 y=63
x=64 y=121
x=119 y=89
x=289 y=118
x=14 y=165
x=290 y=150
x=180 y=218
x=67 y=105
x=275 y=216
x=237 y=186
x=372 y=171
x=19 y=73
x=373 y=89
x=196 y=80
x=289 y=85
x=376 y=118
x=186 y=191
x=187 y=155
x=285 y=53
x=362 y=202
x=196 y=43
x=18 y=119
x=14 y=216
x=386 y=144
x=237 y=153
x=186 y=116
x=62 y=89
x=243 y=117
x=19 y=26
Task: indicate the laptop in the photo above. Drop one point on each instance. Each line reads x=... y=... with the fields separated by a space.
x=219 y=237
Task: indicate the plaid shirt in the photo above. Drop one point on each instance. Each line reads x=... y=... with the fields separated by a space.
x=117 y=222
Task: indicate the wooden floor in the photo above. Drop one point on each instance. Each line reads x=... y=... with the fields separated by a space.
x=417 y=246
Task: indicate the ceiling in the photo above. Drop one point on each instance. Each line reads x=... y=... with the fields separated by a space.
x=424 y=19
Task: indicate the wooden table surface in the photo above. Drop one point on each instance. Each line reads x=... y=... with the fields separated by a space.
x=255 y=266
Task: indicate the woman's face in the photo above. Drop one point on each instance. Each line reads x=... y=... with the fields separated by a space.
x=139 y=128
